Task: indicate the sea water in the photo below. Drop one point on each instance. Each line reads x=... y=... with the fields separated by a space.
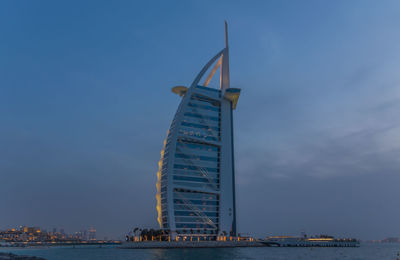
x=365 y=252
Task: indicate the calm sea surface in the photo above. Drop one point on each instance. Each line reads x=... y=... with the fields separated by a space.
x=366 y=251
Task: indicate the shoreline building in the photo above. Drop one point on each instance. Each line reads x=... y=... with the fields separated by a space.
x=196 y=177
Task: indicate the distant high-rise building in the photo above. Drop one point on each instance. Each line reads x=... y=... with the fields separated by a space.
x=92 y=234
x=196 y=177
x=63 y=235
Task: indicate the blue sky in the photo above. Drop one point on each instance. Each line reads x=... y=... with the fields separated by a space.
x=85 y=104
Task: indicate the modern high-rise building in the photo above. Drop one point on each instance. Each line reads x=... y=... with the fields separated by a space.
x=92 y=234
x=196 y=177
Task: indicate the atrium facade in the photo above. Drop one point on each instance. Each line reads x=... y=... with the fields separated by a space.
x=196 y=177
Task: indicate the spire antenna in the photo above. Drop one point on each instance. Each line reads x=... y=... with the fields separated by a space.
x=226 y=34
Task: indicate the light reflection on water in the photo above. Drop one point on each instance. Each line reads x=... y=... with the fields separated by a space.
x=366 y=251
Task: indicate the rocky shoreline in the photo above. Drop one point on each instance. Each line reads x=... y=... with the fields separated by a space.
x=10 y=256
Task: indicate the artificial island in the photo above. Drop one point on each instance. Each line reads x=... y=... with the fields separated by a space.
x=196 y=177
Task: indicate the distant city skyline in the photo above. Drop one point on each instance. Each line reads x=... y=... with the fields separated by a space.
x=85 y=103
x=39 y=235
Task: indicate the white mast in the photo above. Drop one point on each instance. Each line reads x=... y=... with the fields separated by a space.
x=224 y=84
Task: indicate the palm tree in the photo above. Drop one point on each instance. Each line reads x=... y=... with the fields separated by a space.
x=144 y=234
x=134 y=231
x=198 y=233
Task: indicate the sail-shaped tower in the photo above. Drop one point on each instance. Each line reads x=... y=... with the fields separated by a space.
x=196 y=177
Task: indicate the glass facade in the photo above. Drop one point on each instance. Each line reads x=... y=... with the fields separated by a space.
x=195 y=164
